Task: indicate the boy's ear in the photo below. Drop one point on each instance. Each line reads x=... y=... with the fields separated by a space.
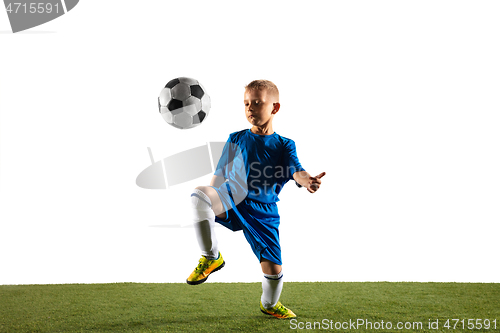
x=276 y=108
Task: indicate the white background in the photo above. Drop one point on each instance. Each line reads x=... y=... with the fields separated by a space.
x=397 y=101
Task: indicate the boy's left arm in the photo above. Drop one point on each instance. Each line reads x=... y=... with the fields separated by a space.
x=303 y=178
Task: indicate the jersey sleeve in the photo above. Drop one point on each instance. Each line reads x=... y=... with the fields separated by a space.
x=290 y=159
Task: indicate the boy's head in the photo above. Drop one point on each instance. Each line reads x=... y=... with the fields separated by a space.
x=267 y=86
x=261 y=100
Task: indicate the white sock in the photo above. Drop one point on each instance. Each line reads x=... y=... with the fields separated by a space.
x=271 y=289
x=204 y=224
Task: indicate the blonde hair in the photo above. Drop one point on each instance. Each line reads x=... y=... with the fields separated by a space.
x=264 y=85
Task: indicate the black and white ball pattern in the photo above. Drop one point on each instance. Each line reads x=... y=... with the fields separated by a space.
x=184 y=103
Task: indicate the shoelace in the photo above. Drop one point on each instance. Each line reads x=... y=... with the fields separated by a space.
x=202 y=265
x=282 y=310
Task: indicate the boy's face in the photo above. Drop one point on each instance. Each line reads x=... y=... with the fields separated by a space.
x=259 y=107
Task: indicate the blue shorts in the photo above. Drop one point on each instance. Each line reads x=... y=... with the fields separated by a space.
x=259 y=222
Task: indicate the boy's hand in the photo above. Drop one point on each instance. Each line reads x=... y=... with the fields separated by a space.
x=315 y=182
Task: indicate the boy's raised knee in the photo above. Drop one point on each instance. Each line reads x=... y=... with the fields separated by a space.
x=201 y=188
x=202 y=206
x=200 y=198
x=207 y=190
x=213 y=198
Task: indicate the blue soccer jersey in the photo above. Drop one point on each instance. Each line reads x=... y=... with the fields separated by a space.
x=256 y=167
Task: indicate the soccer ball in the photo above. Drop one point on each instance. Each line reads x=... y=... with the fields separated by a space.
x=183 y=103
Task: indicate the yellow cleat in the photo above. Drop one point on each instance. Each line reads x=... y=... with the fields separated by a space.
x=204 y=269
x=279 y=311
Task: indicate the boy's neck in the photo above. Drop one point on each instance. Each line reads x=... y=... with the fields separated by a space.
x=262 y=130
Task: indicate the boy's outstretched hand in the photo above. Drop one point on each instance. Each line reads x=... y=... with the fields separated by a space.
x=304 y=179
x=315 y=182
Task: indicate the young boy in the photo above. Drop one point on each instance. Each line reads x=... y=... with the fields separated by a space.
x=254 y=166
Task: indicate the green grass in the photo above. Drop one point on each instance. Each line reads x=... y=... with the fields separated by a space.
x=233 y=307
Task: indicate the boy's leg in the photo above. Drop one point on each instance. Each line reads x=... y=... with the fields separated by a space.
x=272 y=284
x=204 y=203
